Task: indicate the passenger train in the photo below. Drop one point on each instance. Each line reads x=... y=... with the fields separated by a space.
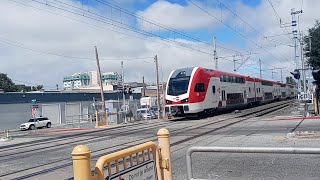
x=196 y=90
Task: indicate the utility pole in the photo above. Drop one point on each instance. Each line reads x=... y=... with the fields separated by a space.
x=281 y=75
x=260 y=68
x=158 y=92
x=144 y=87
x=101 y=89
x=215 y=52
x=123 y=95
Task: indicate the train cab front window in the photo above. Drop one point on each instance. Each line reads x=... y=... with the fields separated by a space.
x=178 y=85
x=199 y=87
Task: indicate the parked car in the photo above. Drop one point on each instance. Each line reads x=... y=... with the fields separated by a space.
x=146 y=113
x=36 y=123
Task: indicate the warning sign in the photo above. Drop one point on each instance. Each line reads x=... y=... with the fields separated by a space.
x=144 y=171
x=34 y=112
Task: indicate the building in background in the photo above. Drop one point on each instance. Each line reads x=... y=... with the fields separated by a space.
x=90 y=80
x=76 y=80
x=110 y=78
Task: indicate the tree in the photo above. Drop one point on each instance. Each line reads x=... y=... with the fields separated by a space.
x=37 y=88
x=6 y=83
x=314 y=54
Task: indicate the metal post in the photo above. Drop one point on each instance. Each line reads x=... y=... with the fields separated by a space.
x=281 y=75
x=123 y=95
x=101 y=89
x=303 y=67
x=295 y=34
x=158 y=93
x=234 y=64
x=165 y=153
x=260 y=68
x=163 y=95
x=215 y=52
x=81 y=156
x=144 y=87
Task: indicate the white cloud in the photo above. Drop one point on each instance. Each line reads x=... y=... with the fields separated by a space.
x=178 y=17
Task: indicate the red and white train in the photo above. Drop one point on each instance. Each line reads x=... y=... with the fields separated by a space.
x=197 y=90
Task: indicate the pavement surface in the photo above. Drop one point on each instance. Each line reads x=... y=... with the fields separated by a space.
x=46 y=154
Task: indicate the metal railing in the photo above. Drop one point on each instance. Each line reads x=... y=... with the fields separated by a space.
x=121 y=163
x=274 y=150
x=78 y=120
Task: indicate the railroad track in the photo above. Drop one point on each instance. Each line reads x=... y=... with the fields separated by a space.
x=65 y=162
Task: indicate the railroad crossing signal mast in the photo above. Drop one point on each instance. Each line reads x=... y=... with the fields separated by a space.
x=295 y=38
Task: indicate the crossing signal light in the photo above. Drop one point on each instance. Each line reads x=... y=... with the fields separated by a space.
x=296 y=74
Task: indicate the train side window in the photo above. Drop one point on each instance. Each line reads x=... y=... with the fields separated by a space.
x=249 y=89
x=221 y=78
x=213 y=89
x=229 y=79
x=199 y=87
x=224 y=78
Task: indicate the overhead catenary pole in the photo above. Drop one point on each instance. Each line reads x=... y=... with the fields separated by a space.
x=281 y=75
x=101 y=90
x=215 y=52
x=260 y=68
x=123 y=95
x=234 y=63
x=158 y=91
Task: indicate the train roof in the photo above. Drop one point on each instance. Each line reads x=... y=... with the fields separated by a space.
x=217 y=73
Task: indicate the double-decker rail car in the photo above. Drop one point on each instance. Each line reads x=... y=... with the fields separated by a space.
x=197 y=90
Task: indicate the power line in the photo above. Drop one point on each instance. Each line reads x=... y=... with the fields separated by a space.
x=160 y=25
x=174 y=43
x=258 y=32
x=72 y=57
x=279 y=18
x=233 y=29
x=137 y=30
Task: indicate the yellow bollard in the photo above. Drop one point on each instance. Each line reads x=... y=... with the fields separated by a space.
x=81 y=156
x=316 y=106
x=165 y=153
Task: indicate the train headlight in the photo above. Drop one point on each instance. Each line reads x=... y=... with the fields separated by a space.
x=185 y=100
x=168 y=102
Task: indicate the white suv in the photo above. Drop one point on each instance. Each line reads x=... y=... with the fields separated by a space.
x=36 y=123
